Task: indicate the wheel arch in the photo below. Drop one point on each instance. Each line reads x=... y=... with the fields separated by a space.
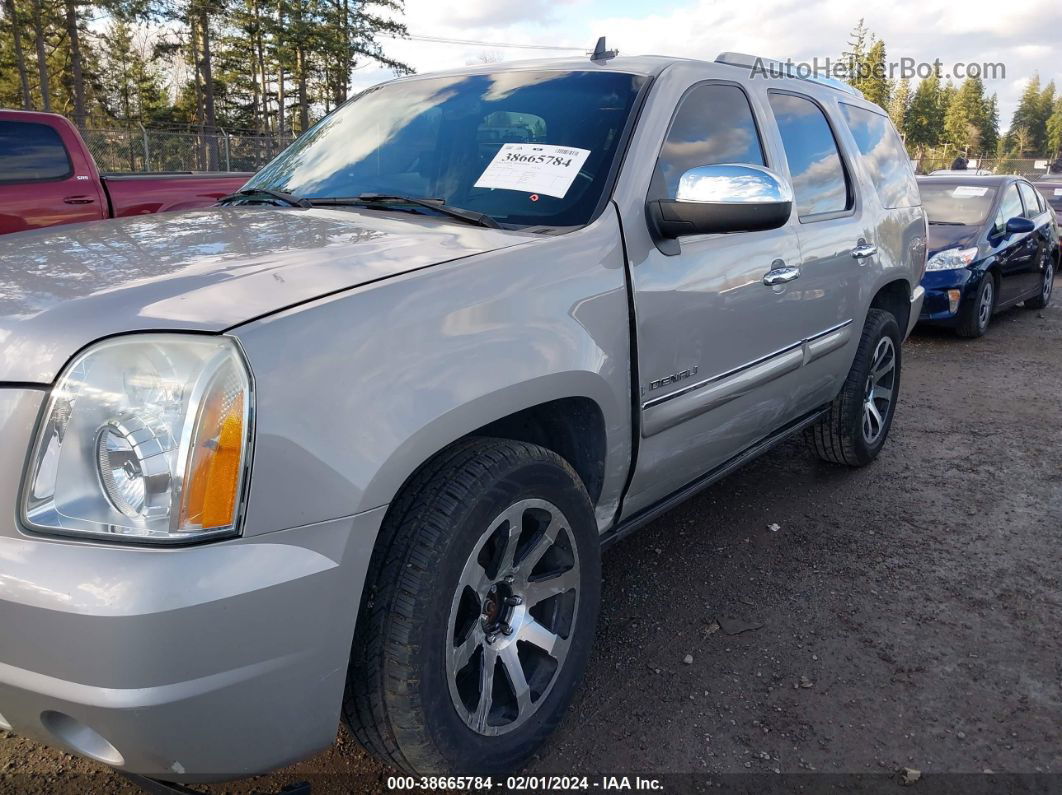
x=578 y=422
x=894 y=297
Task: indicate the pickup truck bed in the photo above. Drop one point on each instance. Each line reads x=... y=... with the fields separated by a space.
x=48 y=177
x=136 y=194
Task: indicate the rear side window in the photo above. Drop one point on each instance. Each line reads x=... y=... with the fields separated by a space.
x=713 y=125
x=1052 y=195
x=820 y=183
x=883 y=156
x=31 y=153
x=1028 y=197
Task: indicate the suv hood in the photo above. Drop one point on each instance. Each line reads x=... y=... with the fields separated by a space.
x=205 y=270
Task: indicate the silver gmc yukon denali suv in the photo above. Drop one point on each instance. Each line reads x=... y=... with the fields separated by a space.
x=349 y=446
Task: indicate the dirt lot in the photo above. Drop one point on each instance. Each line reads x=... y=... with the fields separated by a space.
x=904 y=615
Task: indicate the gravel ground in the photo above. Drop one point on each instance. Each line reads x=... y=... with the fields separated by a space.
x=903 y=615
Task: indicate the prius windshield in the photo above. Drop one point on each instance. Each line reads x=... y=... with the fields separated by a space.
x=527 y=148
x=955 y=204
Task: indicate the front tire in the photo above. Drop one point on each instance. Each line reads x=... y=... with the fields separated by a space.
x=975 y=315
x=478 y=620
x=857 y=423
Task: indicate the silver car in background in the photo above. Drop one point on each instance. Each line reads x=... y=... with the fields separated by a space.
x=350 y=446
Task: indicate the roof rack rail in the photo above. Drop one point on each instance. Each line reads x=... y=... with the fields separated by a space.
x=783 y=68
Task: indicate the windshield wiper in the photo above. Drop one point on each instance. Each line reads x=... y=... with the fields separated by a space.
x=946 y=223
x=439 y=205
x=288 y=198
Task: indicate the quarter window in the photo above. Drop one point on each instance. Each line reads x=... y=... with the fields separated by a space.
x=713 y=125
x=31 y=153
x=883 y=156
x=820 y=183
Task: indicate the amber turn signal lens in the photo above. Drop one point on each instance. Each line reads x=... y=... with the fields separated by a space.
x=212 y=488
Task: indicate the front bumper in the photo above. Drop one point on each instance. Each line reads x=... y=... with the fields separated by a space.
x=213 y=661
x=917 y=300
x=936 y=307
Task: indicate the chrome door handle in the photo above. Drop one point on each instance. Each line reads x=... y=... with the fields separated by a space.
x=864 y=250
x=780 y=275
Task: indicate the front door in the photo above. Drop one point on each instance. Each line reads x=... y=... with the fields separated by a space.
x=715 y=343
x=38 y=186
x=1016 y=255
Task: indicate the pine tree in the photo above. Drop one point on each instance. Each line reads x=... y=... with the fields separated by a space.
x=990 y=124
x=900 y=104
x=964 y=119
x=1054 y=130
x=1029 y=118
x=18 y=55
x=875 y=84
x=852 y=59
x=925 y=118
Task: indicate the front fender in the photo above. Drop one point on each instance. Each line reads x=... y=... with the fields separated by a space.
x=355 y=391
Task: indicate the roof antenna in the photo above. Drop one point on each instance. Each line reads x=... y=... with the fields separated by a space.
x=602 y=54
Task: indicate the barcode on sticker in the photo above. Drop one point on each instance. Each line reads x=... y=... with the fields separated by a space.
x=572 y=152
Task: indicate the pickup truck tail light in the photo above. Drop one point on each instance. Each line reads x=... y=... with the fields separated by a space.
x=144 y=438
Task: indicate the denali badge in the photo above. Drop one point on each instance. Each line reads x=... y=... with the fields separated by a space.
x=673 y=378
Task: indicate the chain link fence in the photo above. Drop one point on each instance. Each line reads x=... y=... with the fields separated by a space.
x=148 y=150
x=1030 y=168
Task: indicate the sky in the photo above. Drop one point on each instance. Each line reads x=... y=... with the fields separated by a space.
x=1024 y=35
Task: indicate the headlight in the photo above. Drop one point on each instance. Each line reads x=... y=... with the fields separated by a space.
x=144 y=438
x=951 y=259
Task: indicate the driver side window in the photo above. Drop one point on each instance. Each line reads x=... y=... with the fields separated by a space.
x=1009 y=208
x=713 y=125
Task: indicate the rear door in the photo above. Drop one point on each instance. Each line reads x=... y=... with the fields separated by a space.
x=834 y=245
x=1036 y=212
x=39 y=184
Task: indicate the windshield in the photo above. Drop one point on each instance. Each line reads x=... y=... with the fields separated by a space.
x=951 y=203
x=526 y=148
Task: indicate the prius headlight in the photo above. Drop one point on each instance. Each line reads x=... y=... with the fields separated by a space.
x=144 y=438
x=951 y=259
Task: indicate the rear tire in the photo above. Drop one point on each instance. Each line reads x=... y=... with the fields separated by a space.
x=975 y=315
x=1046 y=286
x=490 y=553
x=857 y=423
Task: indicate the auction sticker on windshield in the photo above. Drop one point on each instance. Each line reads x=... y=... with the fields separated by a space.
x=968 y=192
x=534 y=168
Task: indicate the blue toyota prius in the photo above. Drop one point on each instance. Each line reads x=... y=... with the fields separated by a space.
x=993 y=243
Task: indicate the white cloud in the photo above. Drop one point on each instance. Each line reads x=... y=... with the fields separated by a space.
x=1023 y=36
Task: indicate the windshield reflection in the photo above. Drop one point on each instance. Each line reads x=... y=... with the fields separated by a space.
x=434 y=137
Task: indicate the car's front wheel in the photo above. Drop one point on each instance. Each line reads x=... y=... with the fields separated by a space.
x=975 y=315
x=477 y=625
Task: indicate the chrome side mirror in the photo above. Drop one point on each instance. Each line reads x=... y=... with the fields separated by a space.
x=724 y=198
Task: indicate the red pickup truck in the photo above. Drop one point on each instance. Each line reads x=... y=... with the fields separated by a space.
x=48 y=177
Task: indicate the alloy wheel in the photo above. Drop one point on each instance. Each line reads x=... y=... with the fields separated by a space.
x=984 y=307
x=1049 y=280
x=879 y=390
x=512 y=617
